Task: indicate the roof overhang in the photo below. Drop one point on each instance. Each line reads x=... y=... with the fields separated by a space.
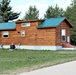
x=25 y=21
x=69 y=23
x=46 y=27
x=7 y=29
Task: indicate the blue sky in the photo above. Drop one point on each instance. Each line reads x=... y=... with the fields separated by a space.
x=42 y=5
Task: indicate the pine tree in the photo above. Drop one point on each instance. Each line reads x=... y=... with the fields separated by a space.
x=70 y=13
x=6 y=11
x=32 y=13
x=54 y=12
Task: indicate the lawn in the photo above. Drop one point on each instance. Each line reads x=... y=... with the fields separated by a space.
x=13 y=62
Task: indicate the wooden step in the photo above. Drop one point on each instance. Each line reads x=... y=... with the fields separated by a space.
x=67 y=45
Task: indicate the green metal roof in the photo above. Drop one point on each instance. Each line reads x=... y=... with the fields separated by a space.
x=51 y=22
x=7 y=26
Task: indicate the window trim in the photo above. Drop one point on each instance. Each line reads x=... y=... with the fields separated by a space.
x=26 y=24
x=24 y=33
x=63 y=34
x=3 y=35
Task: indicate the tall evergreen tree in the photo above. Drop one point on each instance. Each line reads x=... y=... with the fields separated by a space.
x=32 y=13
x=54 y=12
x=70 y=13
x=1 y=19
x=6 y=11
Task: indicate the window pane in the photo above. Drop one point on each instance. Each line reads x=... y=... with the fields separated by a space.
x=63 y=32
x=5 y=34
x=23 y=33
x=63 y=38
x=25 y=24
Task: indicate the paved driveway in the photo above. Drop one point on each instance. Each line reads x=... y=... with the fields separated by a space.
x=62 y=69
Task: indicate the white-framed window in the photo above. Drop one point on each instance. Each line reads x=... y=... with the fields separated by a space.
x=5 y=34
x=25 y=24
x=23 y=33
x=63 y=35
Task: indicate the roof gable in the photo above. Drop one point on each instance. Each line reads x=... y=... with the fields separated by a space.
x=51 y=22
x=7 y=26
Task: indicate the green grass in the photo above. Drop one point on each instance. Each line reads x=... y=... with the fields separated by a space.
x=26 y=60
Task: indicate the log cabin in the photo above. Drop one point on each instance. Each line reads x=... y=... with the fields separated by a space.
x=48 y=34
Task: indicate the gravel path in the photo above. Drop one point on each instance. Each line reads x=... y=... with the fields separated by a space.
x=62 y=69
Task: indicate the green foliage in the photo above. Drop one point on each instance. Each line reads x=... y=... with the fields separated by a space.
x=6 y=11
x=70 y=13
x=1 y=19
x=73 y=2
x=54 y=12
x=32 y=13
